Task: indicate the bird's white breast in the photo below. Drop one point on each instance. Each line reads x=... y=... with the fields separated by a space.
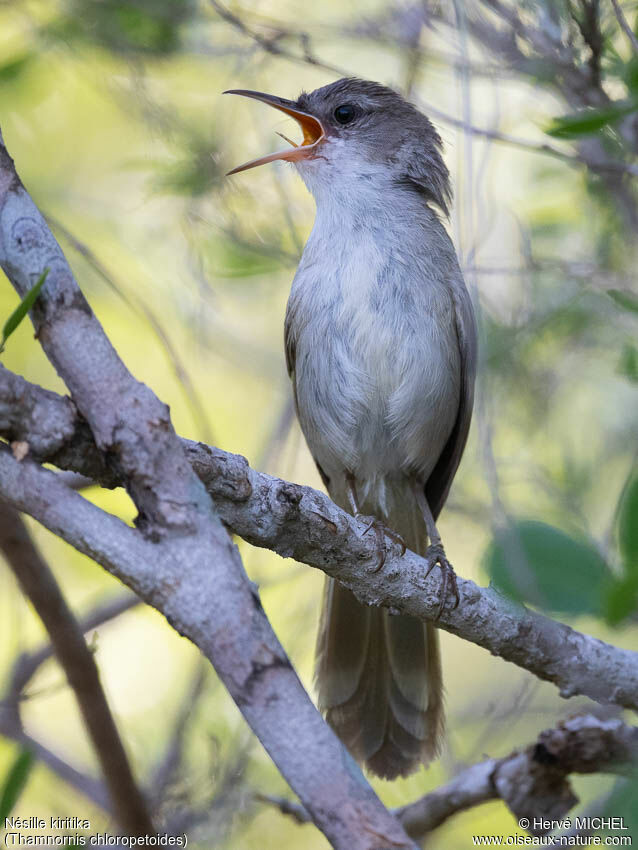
x=377 y=362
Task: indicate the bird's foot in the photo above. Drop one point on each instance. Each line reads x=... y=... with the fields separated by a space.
x=436 y=557
x=381 y=531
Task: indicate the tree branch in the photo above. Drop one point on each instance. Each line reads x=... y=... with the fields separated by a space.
x=26 y=664
x=180 y=558
x=40 y=587
x=302 y=523
x=532 y=783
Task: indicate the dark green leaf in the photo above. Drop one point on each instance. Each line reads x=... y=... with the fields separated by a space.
x=625 y=298
x=630 y=74
x=538 y=564
x=22 y=309
x=14 y=783
x=622 y=804
x=621 y=600
x=588 y=121
x=14 y=67
x=628 y=364
x=628 y=525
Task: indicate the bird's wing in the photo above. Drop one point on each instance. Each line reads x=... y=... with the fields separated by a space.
x=290 y=346
x=438 y=484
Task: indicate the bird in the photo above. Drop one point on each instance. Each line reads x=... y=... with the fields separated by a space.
x=381 y=347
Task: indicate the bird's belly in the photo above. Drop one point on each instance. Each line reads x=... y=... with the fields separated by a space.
x=376 y=397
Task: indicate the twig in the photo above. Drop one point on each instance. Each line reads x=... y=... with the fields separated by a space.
x=535 y=147
x=172 y=758
x=40 y=587
x=27 y=663
x=624 y=24
x=91 y=788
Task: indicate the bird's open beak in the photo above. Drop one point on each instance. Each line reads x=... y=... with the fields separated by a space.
x=313 y=132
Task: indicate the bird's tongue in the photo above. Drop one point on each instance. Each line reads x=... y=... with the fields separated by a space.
x=312 y=129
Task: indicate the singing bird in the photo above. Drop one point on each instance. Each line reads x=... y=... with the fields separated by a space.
x=380 y=342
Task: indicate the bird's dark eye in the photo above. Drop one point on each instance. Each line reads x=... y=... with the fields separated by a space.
x=344 y=113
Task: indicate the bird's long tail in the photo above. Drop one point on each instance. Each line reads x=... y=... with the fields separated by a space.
x=379 y=676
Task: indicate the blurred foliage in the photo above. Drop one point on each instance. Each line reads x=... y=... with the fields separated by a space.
x=112 y=111
x=138 y=26
x=14 y=782
x=541 y=565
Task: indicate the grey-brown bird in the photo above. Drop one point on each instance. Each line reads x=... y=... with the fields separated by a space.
x=380 y=345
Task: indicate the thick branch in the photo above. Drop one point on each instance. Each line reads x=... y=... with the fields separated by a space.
x=40 y=587
x=302 y=523
x=187 y=566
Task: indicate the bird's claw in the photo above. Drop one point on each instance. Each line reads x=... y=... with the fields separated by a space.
x=381 y=531
x=435 y=556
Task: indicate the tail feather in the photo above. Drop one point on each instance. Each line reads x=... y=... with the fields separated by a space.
x=379 y=676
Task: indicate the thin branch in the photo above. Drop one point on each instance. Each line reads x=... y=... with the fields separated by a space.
x=89 y=787
x=271 y=45
x=40 y=587
x=609 y=165
x=170 y=762
x=302 y=523
x=624 y=24
x=28 y=663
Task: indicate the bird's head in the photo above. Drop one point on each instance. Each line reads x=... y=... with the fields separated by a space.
x=357 y=133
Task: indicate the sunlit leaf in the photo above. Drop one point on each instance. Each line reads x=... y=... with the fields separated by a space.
x=15 y=782
x=588 y=121
x=22 y=309
x=624 y=298
x=538 y=564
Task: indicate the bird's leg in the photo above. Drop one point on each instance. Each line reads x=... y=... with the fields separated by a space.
x=435 y=555
x=381 y=531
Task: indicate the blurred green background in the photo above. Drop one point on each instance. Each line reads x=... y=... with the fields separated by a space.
x=113 y=113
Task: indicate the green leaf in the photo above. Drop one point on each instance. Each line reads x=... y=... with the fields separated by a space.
x=538 y=564
x=628 y=364
x=22 y=309
x=621 y=803
x=15 y=782
x=624 y=298
x=588 y=121
x=621 y=600
x=12 y=69
x=628 y=525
